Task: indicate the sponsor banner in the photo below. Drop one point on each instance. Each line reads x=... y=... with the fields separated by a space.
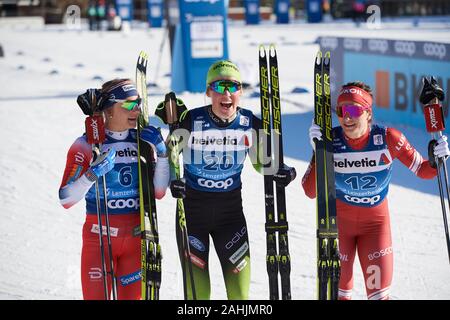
x=125 y=9
x=252 y=11
x=155 y=13
x=203 y=41
x=393 y=69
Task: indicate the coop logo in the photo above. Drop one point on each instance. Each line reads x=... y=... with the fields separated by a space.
x=434 y=50
x=210 y=184
x=405 y=47
x=378 y=45
x=353 y=44
x=124 y=204
x=329 y=43
x=363 y=200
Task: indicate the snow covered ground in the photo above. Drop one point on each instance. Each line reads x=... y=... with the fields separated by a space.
x=43 y=71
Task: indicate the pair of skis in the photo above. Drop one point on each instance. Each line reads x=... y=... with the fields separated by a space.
x=328 y=263
x=278 y=260
x=150 y=248
x=170 y=113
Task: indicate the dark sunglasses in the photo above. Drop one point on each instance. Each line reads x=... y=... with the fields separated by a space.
x=352 y=110
x=220 y=86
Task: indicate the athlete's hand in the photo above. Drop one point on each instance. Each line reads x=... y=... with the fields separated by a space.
x=178 y=188
x=441 y=150
x=438 y=149
x=152 y=136
x=314 y=133
x=102 y=165
x=285 y=175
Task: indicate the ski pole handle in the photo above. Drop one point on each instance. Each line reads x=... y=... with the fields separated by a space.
x=95 y=129
x=434 y=117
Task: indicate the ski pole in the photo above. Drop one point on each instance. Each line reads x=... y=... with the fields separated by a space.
x=95 y=134
x=434 y=119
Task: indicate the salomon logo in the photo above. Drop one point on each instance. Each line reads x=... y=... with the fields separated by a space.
x=215 y=184
x=124 y=204
x=364 y=200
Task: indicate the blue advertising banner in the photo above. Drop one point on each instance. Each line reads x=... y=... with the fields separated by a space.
x=125 y=9
x=394 y=70
x=282 y=10
x=155 y=13
x=203 y=36
x=252 y=11
x=314 y=10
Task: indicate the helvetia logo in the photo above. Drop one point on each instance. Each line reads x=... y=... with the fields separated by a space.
x=363 y=163
x=384 y=160
x=215 y=141
x=126 y=153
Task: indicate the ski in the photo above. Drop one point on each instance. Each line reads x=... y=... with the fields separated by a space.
x=278 y=259
x=328 y=263
x=150 y=248
x=170 y=113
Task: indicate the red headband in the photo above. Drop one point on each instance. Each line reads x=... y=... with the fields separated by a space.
x=355 y=94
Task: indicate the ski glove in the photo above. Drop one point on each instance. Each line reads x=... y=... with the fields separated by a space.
x=314 y=133
x=178 y=188
x=102 y=165
x=438 y=149
x=152 y=136
x=285 y=175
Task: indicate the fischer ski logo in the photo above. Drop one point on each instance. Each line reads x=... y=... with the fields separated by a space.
x=223 y=184
x=275 y=100
x=363 y=200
